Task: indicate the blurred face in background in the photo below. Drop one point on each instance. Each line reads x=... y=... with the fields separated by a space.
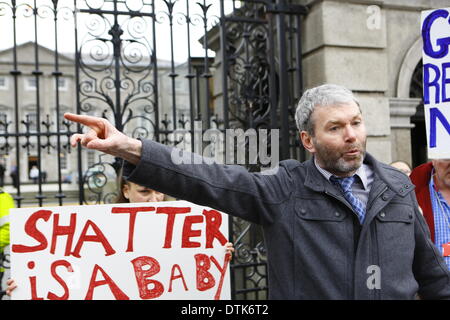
x=137 y=193
x=442 y=173
x=402 y=166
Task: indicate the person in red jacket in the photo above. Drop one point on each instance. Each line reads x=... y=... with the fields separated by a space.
x=432 y=181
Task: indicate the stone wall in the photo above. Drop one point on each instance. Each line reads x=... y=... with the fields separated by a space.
x=371 y=47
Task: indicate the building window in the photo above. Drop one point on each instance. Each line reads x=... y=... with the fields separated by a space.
x=63 y=84
x=3 y=121
x=30 y=84
x=180 y=86
x=63 y=160
x=90 y=158
x=59 y=117
x=3 y=83
x=31 y=119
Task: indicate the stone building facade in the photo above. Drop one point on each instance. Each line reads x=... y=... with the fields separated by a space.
x=28 y=95
x=373 y=48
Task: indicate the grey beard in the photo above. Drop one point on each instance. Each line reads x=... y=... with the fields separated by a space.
x=337 y=165
x=341 y=167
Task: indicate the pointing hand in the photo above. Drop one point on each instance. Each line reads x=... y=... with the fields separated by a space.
x=104 y=137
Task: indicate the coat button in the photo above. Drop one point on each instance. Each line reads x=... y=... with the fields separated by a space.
x=385 y=197
x=303 y=212
x=337 y=214
x=382 y=214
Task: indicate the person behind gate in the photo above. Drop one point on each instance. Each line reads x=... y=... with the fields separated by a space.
x=341 y=225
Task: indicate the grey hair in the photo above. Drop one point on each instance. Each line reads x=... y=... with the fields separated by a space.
x=324 y=95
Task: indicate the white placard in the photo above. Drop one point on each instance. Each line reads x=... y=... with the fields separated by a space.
x=436 y=81
x=160 y=250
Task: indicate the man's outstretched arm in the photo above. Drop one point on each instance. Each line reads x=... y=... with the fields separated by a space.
x=104 y=137
x=229 y=188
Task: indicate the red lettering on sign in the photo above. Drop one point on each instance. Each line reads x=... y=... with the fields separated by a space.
x=33 y=289
x=145 y=268
x=223 y=271
x=58 y=263
x=34 y=295
x=171 y=213
x=133 y=212
x=63 y=231
x=118 y=294
x=205 y=280
x=32 y=231
x=189 y=233
x=213 y=223
x=173 y=277
x=142 y=277
x=98 y=237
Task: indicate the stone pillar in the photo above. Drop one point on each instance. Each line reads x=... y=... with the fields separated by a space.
x=345 y=43
x=401 y=110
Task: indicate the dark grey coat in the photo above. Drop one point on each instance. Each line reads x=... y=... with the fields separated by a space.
x=316 y=249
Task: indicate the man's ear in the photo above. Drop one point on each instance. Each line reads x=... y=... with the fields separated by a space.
x=307 y=141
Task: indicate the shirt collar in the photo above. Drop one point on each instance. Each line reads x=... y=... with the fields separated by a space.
x=433 y=187
x=361 y=173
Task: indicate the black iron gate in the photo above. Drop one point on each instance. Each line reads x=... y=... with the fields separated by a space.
x=153 y=68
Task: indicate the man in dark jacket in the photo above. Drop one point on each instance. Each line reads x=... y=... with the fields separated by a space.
x=339 y=226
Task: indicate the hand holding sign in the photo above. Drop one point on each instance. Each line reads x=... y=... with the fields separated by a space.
x=104 y=137
x=11 y=286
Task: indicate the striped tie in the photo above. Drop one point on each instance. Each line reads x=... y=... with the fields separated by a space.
x=346 y=186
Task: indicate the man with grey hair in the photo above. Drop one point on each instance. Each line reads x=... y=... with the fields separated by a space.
x=326 y=156
x=339 y=226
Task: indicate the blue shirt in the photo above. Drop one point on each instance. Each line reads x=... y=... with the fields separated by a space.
x=441 y=213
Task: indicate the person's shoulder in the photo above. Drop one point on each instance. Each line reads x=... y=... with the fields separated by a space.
x=292 y=164
x=393 y=173
x=285 y=170
x=421 y=175
x=6 y=200
x=422 y=170
x=4 y=193
x=285 y=165
x=288 y=166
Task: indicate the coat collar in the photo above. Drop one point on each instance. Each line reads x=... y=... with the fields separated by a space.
x=361 y=173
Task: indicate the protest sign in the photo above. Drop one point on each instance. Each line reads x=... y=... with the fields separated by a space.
x=436 y=81
x=160 y=250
